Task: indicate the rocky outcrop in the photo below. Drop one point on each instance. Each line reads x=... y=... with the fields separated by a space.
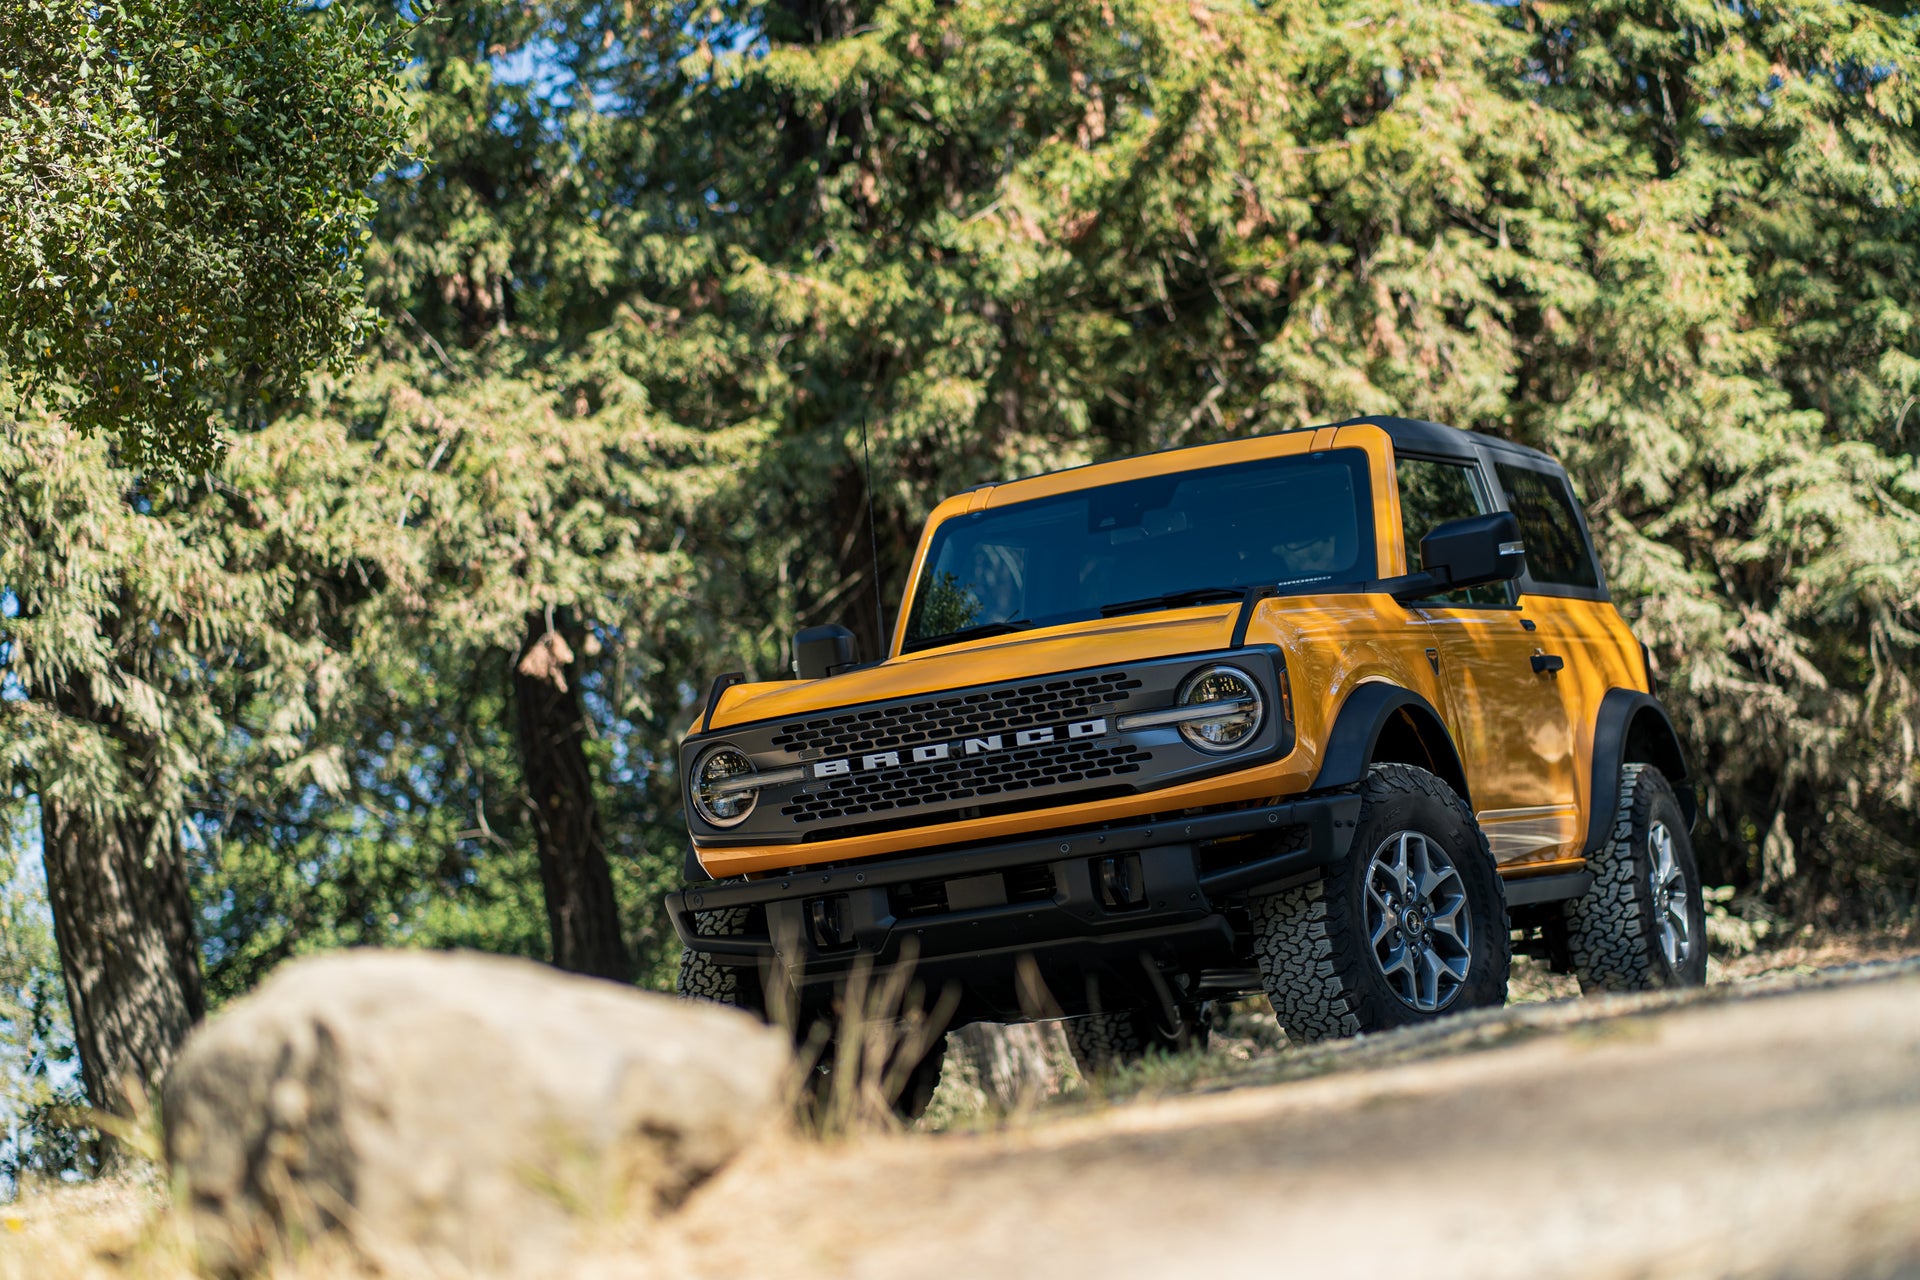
x=1012 y=1066
x=453 y=1112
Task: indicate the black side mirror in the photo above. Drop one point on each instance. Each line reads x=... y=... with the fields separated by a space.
x=824 y=651
x=1465 y=553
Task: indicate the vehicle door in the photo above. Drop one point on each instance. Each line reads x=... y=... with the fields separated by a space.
x=1564 y=593
x=1505 y=712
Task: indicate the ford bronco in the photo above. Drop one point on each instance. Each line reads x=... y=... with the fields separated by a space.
x=1341 y=715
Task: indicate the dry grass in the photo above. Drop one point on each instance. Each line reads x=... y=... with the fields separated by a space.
x=124 y=1227
x=114 y=1228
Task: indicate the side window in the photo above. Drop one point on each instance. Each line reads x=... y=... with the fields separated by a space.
x=1433 y=492
x=1557 y=551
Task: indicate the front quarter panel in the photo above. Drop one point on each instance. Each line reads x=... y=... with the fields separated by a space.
x=1334 y=644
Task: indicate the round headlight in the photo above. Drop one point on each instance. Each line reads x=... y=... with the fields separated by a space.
x=721 y=805
x=1240 y=708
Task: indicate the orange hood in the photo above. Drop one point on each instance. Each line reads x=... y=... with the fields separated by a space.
x=1071 y=646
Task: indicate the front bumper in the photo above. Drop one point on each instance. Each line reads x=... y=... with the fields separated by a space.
x=1075 y=899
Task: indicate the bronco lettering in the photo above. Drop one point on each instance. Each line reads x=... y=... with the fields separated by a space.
x=881 y=761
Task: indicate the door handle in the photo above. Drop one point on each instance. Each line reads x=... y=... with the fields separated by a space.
x=1545 y=662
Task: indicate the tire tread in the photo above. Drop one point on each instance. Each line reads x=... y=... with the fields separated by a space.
x=1308 y=965
x=1607 y=934
x=701 y=977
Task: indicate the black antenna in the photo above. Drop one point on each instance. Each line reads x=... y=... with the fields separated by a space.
x=873 y=543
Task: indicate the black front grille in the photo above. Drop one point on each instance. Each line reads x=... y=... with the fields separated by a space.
x=973 y=763
x=983 y=778
x=982 y=711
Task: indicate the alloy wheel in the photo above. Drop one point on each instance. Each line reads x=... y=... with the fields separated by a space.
x=1417 y=921
x=1670 y=897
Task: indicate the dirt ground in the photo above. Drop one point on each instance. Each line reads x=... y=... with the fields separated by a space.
x=1770 y=1128
x=1766 y=1127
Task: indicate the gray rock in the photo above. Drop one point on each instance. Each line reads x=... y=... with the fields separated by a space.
x=1013 y=1066
x=445 y=1113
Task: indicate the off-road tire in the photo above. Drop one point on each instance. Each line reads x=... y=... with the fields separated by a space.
x=702 y=977
x=1312 y=942
x=1613 y=929
x=1101 y=1042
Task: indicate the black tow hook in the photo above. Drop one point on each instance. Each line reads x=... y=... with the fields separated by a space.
x=827 y=918
x=1122 y=886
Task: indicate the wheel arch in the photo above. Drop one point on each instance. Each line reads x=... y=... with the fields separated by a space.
x=1632 y=728
x=1383 y=723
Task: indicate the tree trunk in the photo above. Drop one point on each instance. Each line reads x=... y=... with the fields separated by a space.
x=552 y=739
x=869 y=610
x=123 y=919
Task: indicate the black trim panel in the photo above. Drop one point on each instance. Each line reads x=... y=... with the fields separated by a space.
x=1533 y=889
x=1619 y=710
x=1357 y=729
x=1457 y=443
x=1249 y=603
x=721 y=683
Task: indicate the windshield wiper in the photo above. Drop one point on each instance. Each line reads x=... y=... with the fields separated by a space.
x=1173 y=600
x=971 y=633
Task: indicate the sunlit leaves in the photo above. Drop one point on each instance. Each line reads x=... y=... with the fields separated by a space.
x=183 y=196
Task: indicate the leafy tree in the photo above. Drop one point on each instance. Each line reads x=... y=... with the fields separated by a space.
x=560 y=512
x=167 y=637
x=494 y=736
x=180 y=200
x=1737 y=401
x=1006 y=236
x=183 y=190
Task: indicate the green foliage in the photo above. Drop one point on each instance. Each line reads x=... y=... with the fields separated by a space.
x=1737 y=409
x=197 y=618
x=1669 y=243
x=183 y=193
x=496 y=502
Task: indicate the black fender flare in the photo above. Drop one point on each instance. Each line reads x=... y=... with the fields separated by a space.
x=1369 y=712
x=1633 y=727
x=691 y=872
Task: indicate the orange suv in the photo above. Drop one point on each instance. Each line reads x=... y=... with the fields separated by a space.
x=1341 y=715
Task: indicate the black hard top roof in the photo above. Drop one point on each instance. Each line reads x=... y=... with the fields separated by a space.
x=1409 y=435
x=1418 y=436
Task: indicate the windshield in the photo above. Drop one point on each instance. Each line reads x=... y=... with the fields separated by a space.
x=1292 y=522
